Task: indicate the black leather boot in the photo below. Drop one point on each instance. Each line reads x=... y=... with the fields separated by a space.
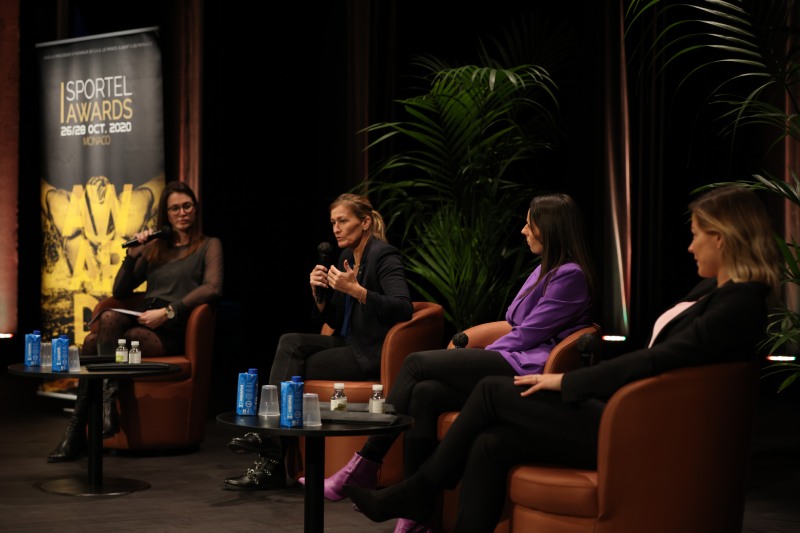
x=251 y=442
x=73 y=442
x=268 y=472
x=110 y=413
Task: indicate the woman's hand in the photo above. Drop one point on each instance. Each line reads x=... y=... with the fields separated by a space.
x=142 y=237
x=153 y=318
x=344 y=280
x=538 y=382
x=318 y=278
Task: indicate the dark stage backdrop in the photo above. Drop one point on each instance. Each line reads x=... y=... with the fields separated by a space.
x=103 y=165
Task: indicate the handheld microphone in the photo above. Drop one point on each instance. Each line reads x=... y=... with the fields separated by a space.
x=588 y=346
x=460 y=340
x=324 y=250
x=164 y=233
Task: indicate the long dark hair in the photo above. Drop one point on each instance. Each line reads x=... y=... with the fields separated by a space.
x=563 y=236
x=156 y=253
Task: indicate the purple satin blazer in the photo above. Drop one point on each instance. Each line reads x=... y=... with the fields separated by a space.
x=543 y=317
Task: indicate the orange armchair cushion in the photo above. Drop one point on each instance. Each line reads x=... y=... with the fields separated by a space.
x=166 y=412
x=425 y=331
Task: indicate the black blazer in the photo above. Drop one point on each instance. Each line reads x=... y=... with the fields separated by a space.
x=388 y=302
x=726 y=324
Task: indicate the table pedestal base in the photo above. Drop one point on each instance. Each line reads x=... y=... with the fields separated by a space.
x=78 y=486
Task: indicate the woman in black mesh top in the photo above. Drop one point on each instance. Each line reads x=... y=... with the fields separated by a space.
x=183 y=269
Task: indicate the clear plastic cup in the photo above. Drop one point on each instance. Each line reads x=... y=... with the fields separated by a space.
x=74 y=359
x=269 y=406
x=47 y=354
x=311 y=414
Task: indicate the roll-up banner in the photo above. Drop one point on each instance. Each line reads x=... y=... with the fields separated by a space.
x=103 y=166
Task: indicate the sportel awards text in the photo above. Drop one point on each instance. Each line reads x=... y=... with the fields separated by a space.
x=95 y=108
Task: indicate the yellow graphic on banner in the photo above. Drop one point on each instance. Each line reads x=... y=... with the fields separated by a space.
x=83 y=236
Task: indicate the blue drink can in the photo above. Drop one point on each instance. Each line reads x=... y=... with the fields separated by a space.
x=61 y=354
x=33 y=348
x=247 y=393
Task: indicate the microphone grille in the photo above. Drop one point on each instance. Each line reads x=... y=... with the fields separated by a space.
x=324 y=248
x=460 y=340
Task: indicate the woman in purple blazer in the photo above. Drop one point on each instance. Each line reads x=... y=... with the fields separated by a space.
x=554 y=418
x=554 y=302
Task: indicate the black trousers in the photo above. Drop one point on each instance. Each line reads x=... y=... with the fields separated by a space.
x=315 y=356
x=498 y=429
x=431 y=383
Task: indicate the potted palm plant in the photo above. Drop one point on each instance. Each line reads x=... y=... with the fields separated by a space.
x=461 y=168
x=455 y=184
x=758 y=44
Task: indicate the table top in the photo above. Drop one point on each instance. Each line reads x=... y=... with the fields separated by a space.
x=20 y=369
x=259 y=425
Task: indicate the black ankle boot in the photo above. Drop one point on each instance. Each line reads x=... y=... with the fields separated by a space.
x=110 y=413
x=414 y=499
x=252 y=442
x=73 y=442
x=268 y=472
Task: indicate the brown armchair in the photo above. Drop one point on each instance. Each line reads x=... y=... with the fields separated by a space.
x=169 y=412
x=563 y=357
x=673 y=455
x=424 y=331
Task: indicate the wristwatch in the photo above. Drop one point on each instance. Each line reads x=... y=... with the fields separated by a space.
x=170 y=312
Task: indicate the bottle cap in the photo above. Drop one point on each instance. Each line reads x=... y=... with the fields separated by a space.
x=37 y=332
x=252 y=371
x=297 y=379
x=134 y=343
x=377 y=387
x=120 y=341
x=338 y=385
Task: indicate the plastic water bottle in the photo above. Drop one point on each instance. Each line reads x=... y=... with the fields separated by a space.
x=122 y=351
x=377 y=403
x=338 y=398
x=134 y=355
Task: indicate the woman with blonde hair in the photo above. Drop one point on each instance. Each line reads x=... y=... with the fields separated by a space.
x=554 y=418
x=361 y=297
x=555 y=301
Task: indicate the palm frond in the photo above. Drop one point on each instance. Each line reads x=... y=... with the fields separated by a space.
x=453 y=184
x=751 y=50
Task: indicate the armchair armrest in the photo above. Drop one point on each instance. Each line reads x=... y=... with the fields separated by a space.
x=423 y=332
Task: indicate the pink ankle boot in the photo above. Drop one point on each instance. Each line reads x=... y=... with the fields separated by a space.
x=404 y=525
x=358 y=472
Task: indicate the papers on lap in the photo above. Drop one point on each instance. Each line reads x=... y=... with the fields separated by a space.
x=118 y=310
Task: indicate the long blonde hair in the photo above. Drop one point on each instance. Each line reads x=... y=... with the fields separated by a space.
x=362 y=208
x=749 y=249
